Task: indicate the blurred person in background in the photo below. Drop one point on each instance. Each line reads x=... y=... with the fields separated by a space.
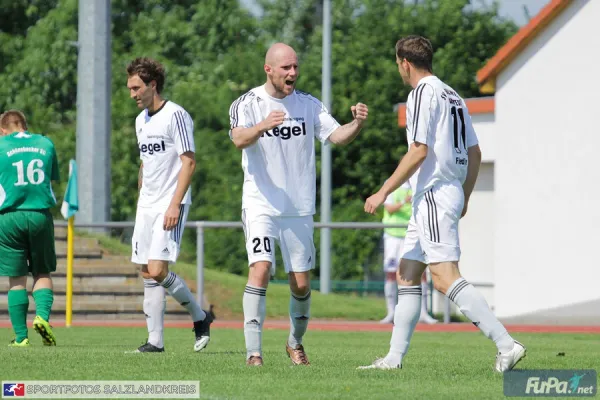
x=397 y=211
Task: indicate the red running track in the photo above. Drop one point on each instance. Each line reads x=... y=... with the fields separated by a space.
x=332 y=326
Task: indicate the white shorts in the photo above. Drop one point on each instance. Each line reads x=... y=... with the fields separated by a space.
x=392 y=250
x=432 y=234
x=293 y=234
x=150 y=241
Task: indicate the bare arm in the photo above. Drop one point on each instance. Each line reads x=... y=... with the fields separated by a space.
x=140 y=175
x=244 y=137
x=409 y=164
x=347 y=133
x=474 y=155
x=188 y=166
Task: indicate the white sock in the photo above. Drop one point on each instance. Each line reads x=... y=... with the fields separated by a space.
x=472 y=304
x=180 y=292
x=155 y=302
x=390 y=289
x=255 y=310
x=299 y=316
x=424 y=287
x=406 y=317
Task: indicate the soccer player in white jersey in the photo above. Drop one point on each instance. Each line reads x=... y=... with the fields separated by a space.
x=275 y=126
x=442 y=163
x=165 y=135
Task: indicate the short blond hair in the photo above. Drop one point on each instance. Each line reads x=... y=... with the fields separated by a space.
x=13 y=119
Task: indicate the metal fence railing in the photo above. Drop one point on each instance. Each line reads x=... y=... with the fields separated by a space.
x=201 y=226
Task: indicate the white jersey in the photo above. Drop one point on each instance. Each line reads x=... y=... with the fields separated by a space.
x=438 y=117
x=279 y=169
x=162 y=137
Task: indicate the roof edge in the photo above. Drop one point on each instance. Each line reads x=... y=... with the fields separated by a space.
x=518 y=42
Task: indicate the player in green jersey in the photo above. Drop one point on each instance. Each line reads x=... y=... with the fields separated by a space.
x=28 y=164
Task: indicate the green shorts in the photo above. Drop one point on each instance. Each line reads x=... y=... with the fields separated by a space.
x=27 y=243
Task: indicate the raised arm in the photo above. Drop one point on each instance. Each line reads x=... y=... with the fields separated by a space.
x=347 y=133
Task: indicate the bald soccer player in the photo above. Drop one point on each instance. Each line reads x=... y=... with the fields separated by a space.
x=275 y=126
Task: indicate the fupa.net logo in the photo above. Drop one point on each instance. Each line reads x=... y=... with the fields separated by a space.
x=551 y=383
x=553 y=386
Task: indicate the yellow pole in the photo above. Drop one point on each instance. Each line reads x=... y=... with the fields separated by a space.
x=69 y=310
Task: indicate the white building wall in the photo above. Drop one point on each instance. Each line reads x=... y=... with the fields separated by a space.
x=547 y=172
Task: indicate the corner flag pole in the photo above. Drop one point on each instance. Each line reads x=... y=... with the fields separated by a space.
x=70 y=232
x=69 y=208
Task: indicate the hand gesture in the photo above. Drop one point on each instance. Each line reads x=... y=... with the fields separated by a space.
x=171 y=217
x=275 y=118
x=360 y=112
x=373 y=202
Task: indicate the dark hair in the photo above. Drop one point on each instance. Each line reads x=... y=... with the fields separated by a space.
x=148 y=70
x=13 y=118
x=417 y=50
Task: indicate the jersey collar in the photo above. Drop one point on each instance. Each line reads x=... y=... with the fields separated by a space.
x=157 y=111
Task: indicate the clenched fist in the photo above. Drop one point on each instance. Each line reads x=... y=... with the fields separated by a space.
x=360 y=112
x=275 y=118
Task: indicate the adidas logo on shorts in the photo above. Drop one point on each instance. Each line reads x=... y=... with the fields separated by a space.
x=166 y=250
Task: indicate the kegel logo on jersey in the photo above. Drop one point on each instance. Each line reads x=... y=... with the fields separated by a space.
x=152 y=148
x=286 y=132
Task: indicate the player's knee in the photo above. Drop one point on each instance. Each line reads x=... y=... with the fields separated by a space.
x=440 y=284
x=444 y=275
x=146 y=275
x=158 y=275
x=409 y=273
x=17 y=282
x=300 y=288
x=259 y=274
x=157 y=270
x=299 y=283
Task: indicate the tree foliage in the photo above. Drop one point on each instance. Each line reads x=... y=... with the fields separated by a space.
x=214 y=51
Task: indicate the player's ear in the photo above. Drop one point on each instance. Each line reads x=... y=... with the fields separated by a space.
x=268 y=69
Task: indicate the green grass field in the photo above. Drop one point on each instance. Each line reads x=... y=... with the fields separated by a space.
x=439 y=366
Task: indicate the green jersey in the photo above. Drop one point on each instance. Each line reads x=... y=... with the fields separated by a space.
x=400 y=217
x=28 y=164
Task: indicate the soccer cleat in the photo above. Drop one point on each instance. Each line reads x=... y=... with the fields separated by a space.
x=149 y=348
x=297 y=355
x=255 y=361
x=380 y=364
x=42 y=327
x=22 y=343
x=507 y=361
x=202 y=331
x=389 y=319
